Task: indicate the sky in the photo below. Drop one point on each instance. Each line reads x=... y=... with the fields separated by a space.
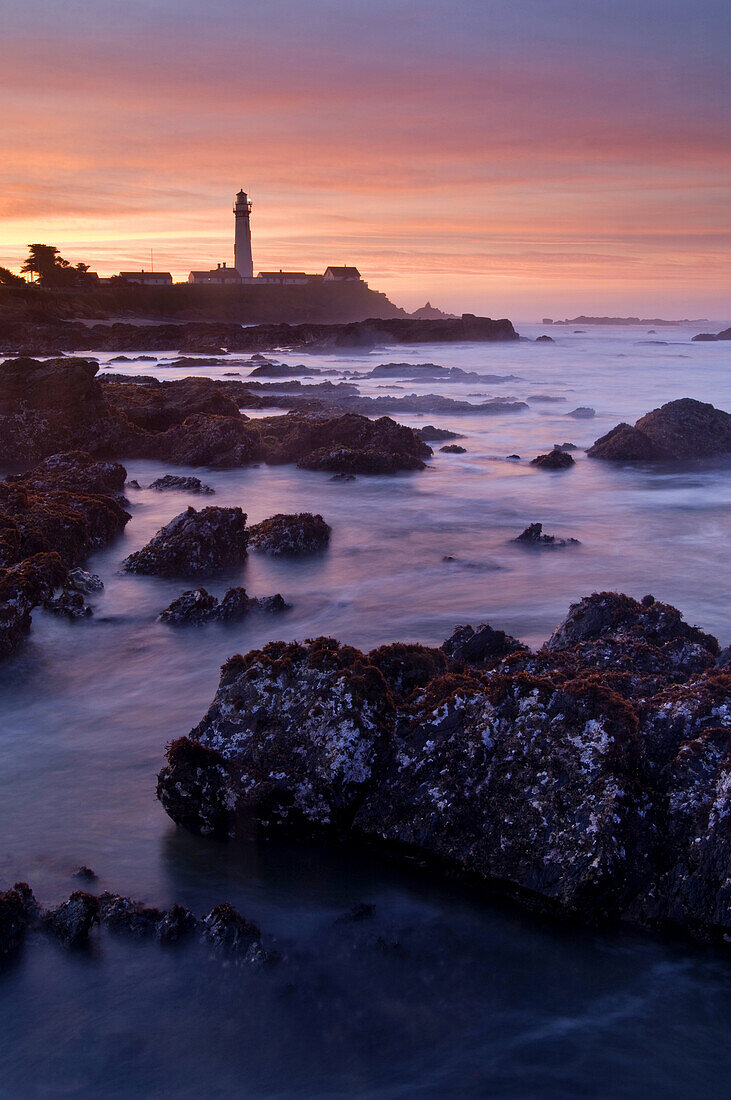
x=520 y=158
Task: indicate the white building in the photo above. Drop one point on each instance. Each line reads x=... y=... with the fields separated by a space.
x=147 y=278
x=243 y=262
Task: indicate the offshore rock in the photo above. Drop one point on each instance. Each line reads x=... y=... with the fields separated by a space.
x=194 y=544
x=589 y=778
x=535 y=536
x=302 y=533
x=679 y=430
x=182 y=484
x=199 y=606
x=16 y=912
x=553 y=460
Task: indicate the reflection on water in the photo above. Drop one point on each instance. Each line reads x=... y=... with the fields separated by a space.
x=441 y=993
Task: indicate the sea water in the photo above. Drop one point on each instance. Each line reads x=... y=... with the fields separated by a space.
x=441 y=991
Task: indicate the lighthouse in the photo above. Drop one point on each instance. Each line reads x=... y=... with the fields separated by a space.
x=242 y=239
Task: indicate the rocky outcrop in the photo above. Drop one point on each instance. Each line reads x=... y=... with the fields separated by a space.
x=58 y=405
x=589 y=778
x=553 y=460
x=290 y=535
x=224 y=931
x=534 y=535
x=211 y=337
x=705 y=336
x=679 y=430
x=199 y=606
x=51 y=518
x=194 y=544
x=453 y=449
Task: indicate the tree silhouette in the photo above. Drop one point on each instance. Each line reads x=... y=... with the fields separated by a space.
x=8 y=278
x=45 y=261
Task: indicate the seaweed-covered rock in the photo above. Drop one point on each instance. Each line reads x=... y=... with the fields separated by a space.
x=195 y=543
x=678 y=430
x=535 y=536
x=304 y=768
x=480 y=648
x=16 y=910
x=180 y=484
x=231 y=934
x=68 y=604
x=301 y=533
x=198 y=606
x=71 y=921
x=127 y=917
x=591 y=777
x=614 y=614
x=553 y=460
x=23 y=587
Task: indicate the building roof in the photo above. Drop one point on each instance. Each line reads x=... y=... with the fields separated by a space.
x=344 y=272
x=145 y=274
x=222 y=270
x=283 y=275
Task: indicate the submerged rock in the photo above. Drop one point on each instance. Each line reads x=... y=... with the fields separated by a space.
x=678 y=430
x=583 y=412
x=199 y=606
x=590 y=777
x=453 y=449
x=534 y=536
x=303 y=533
x=186 y=484
x=194 y=544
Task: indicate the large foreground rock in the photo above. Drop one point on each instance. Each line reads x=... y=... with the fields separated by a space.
x=590 y=777
x=680 y=429
x=194 y=544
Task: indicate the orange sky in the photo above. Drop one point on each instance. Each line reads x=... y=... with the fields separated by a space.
x=514 y=158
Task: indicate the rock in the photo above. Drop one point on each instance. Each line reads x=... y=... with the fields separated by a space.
x=343 y=477
x=232 y=935
x=545 y=340
x=678 y=430
x=186 y=484
x=176 y=925
x=194 y=544
x=307 y=770
x=725 y=335
x=282 y=370
x=71 y=921
x=430 y=434
x=303 y=533
x=69 y=604
x=16 y=907
x=605 y=614
x=480 y=648
x=534 y=536
x=81 y=581
x=583 y=412
x=589 y=778
x=513 y=458
x=454 y=449
x=86 y=873
x=23 y=587
x=565 y=447
x=553 y=460
x=350 y=443
x=199 y=606
x=130 y=918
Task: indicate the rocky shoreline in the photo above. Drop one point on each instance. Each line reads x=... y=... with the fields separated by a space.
x=210 y=337
x=589 y=779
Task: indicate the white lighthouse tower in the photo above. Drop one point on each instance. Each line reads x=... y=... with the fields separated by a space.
x=242 y=240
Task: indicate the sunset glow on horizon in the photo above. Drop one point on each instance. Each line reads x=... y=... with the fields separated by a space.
x=516 y=159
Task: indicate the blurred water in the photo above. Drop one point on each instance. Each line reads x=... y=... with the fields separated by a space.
x=475 y=1000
